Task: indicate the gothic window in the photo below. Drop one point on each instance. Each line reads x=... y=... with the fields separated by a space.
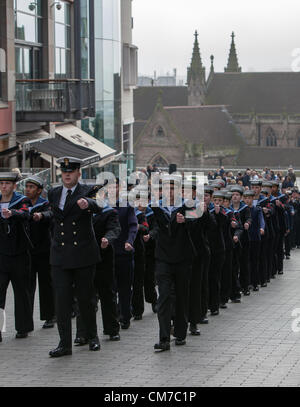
x=271 y=140
x=160 y=132
x=160 y=161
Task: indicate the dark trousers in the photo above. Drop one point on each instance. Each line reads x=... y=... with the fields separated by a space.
x=149 y=281
x=287 y=245
x=124 y=277
x=269 y=257
x=254 y=251
x=244 y=267
x=226 y=277
x=214 y=280
x=83 y=280
x=236 y=286
x=105 y=289
x=280 y=252
x=16 y=269
x=175 y=276
x=195 y=297
x=138 y=285
x=275 y=254
x=40 y=267
x=204 y=285
x=263 y=260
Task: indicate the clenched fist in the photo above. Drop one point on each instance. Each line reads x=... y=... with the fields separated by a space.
x=83 y=203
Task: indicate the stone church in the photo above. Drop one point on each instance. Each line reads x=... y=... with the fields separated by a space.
x=233 y=118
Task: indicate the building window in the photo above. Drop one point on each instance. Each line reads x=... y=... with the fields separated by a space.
x=271 y=140
x=28 y=20
x=160 y=161
x=2 y=69
x=130 y=75
x=160 y=132
x=63 y=41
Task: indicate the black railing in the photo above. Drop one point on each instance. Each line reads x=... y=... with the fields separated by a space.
x=69 y=98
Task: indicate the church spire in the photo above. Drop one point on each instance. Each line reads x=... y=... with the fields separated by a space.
x=196 y=77
x=233 y=64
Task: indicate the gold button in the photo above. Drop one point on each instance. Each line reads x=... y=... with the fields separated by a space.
x=74 y=233
x=62 y=233
x=61 y=224
x=75 y=243
x=74 y=224
x=63 y=244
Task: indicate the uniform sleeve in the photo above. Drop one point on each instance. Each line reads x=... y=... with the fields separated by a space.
x=132 y=226
x=22 y=213
x=113 y=228
x=262 y=224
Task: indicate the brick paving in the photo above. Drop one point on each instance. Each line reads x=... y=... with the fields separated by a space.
x=249 y=344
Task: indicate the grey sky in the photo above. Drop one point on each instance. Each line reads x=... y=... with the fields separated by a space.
x=267 y=32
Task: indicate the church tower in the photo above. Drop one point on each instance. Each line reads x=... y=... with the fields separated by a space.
x=233 y=64
x=196 y=78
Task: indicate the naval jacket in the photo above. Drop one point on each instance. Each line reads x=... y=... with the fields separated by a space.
x=257 y=223
x=129 y=229
x=14 y=232
x=74 y=243
x=40 y=231
x=243 y=213
x=143 y=230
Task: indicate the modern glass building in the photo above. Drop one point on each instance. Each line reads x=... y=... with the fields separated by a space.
x=106 y=126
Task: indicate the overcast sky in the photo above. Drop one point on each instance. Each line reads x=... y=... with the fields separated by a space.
x=267 y=32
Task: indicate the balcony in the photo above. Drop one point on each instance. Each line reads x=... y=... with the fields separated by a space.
x=54 y=100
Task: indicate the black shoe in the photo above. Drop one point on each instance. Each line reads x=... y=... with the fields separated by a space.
x=264 y=285
x=180 y=342
x=268 y=281
x=280 y=272
x=114 y=337
x=94 y=344
x=214 y=313
x=154 y=307
x=138 y=317
x=246 y=292
x=255 y=288
x=60 y=351
x=287 y=257
x=273 y=276
x=79 y=341
x=48 y=324
x=125 y=324
x=223 y=306
x=194 y=330
x=162 y=346
x=204 y=321
x=21 y=335
x=236 y=300
x=0 y=337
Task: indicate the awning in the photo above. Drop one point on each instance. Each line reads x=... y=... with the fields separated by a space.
x=9 y=151
x=59 y=148
x=79 y=137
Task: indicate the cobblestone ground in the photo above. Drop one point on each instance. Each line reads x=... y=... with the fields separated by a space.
x=249 y=344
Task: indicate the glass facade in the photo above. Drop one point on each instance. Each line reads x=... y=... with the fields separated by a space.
x=28 y=37
x=106 y=126
x=63 y=41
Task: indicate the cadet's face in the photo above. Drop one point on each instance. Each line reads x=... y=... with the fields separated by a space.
x=274 y=189
x=207 y=198
x=248 y=200
x=7 y=187
x=32 y=191
x=218 y=201
x=256 y=189
x=236 y=197
x=226 y=203
x=70 y=179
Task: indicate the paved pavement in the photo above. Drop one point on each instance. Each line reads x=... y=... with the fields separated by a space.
x=249 y=344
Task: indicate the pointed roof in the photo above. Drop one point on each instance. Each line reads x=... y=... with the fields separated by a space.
x=233 y=64
x=196 y=69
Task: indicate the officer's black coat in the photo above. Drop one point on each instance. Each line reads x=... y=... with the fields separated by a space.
x=40 y=231
x=14 y=232
x=74 y=243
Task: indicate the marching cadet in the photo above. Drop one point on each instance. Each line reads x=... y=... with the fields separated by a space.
x=40 y=220
x=281 y=228
x=241 y=262
x=124 y=256
x=290 y=213
x=107 y=229
x=256 y=230
x=14 y=252
x=174 y=252
x=149 y=282
x=217 y=247
x=232 y=231
x=139 y=256
x=296 y=229
x=198 y=295
x=73 y=256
